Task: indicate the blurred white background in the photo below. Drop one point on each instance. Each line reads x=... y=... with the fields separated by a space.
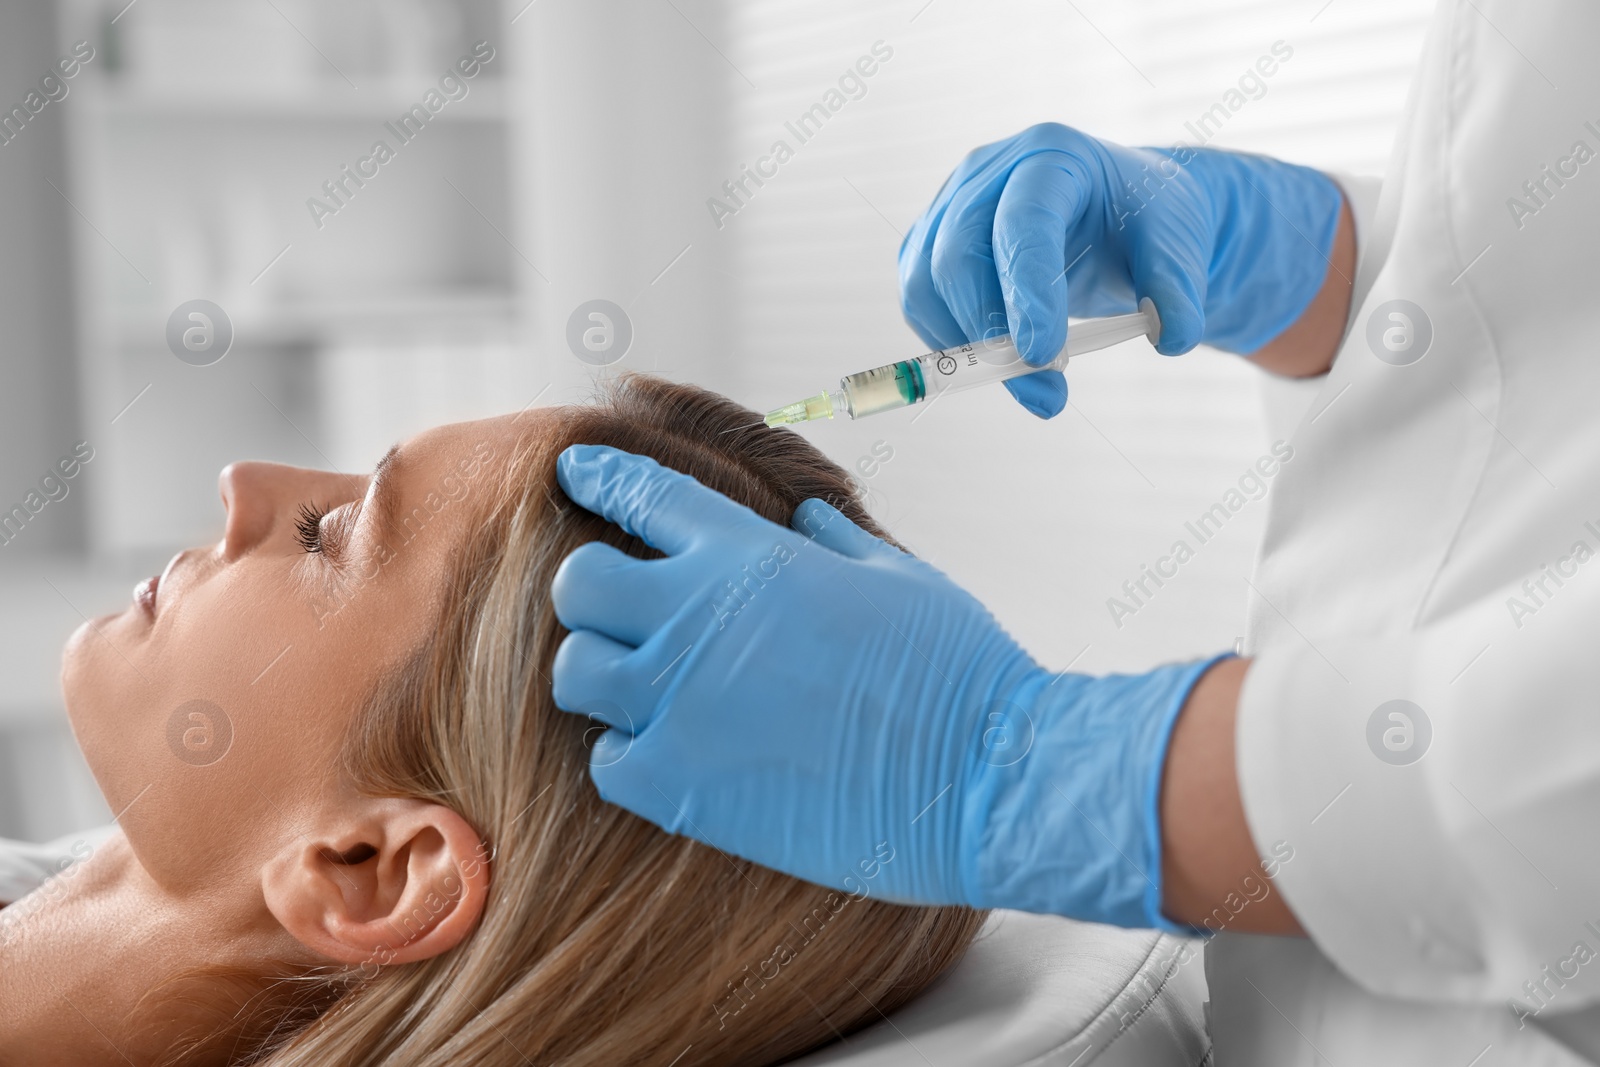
x=579 y=166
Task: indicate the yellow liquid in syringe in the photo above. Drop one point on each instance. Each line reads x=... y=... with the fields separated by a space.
x=885 y=388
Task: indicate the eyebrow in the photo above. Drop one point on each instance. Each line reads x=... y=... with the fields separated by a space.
x=385 y=494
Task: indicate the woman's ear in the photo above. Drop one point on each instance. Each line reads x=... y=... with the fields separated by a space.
x=388 y=880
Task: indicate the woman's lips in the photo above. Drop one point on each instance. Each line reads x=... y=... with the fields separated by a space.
x=144 y=595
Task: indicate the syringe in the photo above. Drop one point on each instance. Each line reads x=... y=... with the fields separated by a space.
x=925 y=378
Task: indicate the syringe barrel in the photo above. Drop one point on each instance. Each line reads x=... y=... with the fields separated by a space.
x=894 y=385
x=925 y=378
x=919 y=380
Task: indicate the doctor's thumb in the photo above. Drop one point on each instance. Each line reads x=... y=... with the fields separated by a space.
x=1043 y=393
x=1180 y=305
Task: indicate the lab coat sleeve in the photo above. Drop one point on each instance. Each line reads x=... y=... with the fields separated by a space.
x=1361 y=193
x=1469 y=874
x=1285 y=401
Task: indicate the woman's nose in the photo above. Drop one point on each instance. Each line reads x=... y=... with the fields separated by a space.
x=261 y=498
x=250 y=497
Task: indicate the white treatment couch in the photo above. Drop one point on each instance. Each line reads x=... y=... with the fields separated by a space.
x=1033 y=991
x=1047 y=992
x=24 y=866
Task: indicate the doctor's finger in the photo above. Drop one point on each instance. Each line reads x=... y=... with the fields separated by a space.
x=832 y=529
x=920 y=301
x=595 y=676
x=1172 y=273
x=600 y=587
x=963 y=269
x=667 y=510
x=635 y=779
x=1038 y=207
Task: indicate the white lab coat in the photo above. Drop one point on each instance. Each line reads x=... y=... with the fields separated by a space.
x=1419 y=499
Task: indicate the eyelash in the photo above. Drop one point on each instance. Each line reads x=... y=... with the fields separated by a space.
x=308 y=527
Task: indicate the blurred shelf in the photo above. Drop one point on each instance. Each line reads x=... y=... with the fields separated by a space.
x=310 y=321
x=334 y=101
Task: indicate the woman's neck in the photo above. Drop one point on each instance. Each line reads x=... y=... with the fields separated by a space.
x=78 y=955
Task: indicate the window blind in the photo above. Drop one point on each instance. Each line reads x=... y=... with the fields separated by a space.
x=1043 y=521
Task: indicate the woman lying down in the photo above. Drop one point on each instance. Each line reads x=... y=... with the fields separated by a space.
x=354 y=828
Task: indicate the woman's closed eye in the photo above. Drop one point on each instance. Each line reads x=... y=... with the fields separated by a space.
x=308 y=527
x=316 y=533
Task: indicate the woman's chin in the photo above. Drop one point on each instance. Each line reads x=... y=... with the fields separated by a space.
x=79 y=656
x=77 y=651
x=98 y=636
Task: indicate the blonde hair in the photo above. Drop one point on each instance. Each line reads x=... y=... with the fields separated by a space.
x=605 y=940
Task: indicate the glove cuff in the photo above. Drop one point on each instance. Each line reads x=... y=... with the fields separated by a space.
x=1068 y=822
x=1275 y=225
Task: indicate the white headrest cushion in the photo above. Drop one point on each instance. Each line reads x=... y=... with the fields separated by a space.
x=1047 y=992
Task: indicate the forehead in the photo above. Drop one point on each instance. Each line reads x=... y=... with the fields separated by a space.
x=439 y=459
x=440 y=485
x=501 y=434
x=451 y=476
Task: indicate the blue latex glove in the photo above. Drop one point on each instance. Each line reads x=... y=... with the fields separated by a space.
x=824 y=704
x=1230 y=247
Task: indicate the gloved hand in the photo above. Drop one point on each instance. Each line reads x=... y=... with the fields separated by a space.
x=1230 y=247
x=824 y=704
